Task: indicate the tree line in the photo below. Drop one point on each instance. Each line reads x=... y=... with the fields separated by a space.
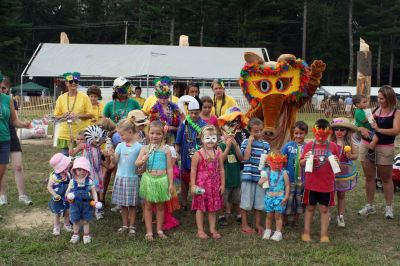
x=312 y=29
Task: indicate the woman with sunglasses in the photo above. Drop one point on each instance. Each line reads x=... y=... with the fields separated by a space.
x=74 y=107
x=222 y=102
x=121 y=103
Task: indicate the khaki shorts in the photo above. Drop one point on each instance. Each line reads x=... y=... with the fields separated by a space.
x=384 y=153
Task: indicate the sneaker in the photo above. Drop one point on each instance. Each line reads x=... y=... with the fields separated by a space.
x=222 y=221
x=367 y=210
x=116 y=208
x=3 y=200
x=68 y=227
x=74 y=239
x=267 y=234
x=87 y=239
x=56 y=230
x=25 y=199
x=277 y=236
x=340 y=221
x=389 y=212
x=98 y=214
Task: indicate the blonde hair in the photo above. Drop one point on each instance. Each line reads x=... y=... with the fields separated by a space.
x=158 y=124
x=208 y=128
x=127 y=124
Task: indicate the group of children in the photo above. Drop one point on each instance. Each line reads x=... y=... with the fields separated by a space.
x=227 y=168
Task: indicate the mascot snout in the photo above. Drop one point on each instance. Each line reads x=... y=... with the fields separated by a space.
x=272 y=106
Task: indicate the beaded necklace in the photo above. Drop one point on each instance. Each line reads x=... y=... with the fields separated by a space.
x=116 y=116
x=73 y=105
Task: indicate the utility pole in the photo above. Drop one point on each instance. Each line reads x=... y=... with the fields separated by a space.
x=126 y=31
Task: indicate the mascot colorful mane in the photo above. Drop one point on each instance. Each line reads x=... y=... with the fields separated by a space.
x=277 y=90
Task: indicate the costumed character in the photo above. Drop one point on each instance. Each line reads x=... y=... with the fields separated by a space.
x=277 y=90
x=164 y=110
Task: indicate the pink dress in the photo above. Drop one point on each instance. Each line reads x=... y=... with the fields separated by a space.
x=208 y=177
x=213 y=120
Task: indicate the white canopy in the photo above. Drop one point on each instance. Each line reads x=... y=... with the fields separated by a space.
x=110 y=61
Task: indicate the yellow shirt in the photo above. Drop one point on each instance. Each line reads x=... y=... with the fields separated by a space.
x=229 y=102
x=82 y=106
x=148 y=104
x=97 y=112
x=140 y=100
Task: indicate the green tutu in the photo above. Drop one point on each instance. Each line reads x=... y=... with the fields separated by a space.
x=154 y=188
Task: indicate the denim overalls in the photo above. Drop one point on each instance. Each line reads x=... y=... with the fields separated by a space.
x=80 y=208
x=58 y=207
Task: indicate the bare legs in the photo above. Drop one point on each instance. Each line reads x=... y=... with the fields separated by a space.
x=128 y=215
x=308 y=216
x=148 y=216
x=16 y=162
x=212 y=220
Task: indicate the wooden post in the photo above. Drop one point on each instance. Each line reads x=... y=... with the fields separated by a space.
x=364 y=57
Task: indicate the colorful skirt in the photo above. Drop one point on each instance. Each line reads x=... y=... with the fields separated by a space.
x=154 y=189
x=125 y=191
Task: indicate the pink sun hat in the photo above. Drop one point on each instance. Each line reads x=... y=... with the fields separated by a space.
x=59 y=162
x=82 y=163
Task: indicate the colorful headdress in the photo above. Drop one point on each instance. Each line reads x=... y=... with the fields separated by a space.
x=95 y=135
x=193 y=104
x=162 y=87
x=321 y=134
x=72 y=76
x=122 y=85
x=231 y=115
x=276 y=158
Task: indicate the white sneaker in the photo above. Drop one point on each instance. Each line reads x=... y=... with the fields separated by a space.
x=56 y=230
x=98 y=214
x=340 y=221
x=367 y=210
x=116 y=208
x=267 y=234
x=68 y=227
x=3 y=200
x=277 y=236
x=87 y=239
x=389 y=212
x=25 y=199
x=74 y=239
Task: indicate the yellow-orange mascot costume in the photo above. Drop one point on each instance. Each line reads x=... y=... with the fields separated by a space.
x=277 y=90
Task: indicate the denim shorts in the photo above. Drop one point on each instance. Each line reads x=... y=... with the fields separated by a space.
x=252 y=196
x=80 y=210
x=4 y=152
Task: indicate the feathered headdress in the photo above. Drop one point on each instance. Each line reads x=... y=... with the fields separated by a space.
x=162 y=87
x=276 y=158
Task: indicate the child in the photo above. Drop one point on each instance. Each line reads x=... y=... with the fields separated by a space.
x=232 y=156
x=276 y=181
x=343 y=131
x=320 y=183
x=57 y=186
x=94 y=94
x=293 y=151
x=126 y=184
x=79 y=140
x=83 y=190
x=221 y=101
x=207 y=173
x=206 y=109
x=252 y=197
x=361 y=120
x=156 y=184
x=188 y=141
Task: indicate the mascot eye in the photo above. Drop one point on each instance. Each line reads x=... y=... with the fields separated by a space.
x=283 y=84
x=265 y=86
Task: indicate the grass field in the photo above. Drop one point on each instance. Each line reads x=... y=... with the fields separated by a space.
x=26 y=239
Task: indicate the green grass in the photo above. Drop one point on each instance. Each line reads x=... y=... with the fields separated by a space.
x=364 y=241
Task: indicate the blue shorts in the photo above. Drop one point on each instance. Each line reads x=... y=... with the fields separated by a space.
x=273 y=204
x=252 y=196
x=4 y=152
x=80 y=210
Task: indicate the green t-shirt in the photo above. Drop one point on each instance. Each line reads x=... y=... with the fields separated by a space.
x=361 y=119
x=4 y=117
x=120 y=110
x=231 y=167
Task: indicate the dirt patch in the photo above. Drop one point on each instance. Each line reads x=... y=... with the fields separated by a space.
x=35 y=218
x=41 y=142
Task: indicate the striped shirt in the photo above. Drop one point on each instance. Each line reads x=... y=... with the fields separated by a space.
x=250 y=170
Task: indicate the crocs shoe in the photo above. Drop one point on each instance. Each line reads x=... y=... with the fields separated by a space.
x=25 y=199
x=3 y=200
x=267 y=234
x=277 y=236
x=74 y=239
x=87 y=239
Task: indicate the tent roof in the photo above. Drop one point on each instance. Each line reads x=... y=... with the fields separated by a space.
x=110 y=61
x=29 y=86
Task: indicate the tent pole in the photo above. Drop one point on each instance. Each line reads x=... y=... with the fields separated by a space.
x=147 y=85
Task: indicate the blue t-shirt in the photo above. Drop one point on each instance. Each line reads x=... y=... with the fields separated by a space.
x=187 y=139
x=292 y=154
x=127 y=159
x=250 y=169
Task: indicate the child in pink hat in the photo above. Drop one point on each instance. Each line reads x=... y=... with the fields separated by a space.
x=57 y=186
x=81 y=192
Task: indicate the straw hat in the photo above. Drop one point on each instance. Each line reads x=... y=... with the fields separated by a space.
x=140 y=117
x=343 y=122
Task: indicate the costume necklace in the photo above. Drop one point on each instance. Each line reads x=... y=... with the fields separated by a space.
x=73 y=105
x=116 y=117
x=193 y=124
x=164 y=117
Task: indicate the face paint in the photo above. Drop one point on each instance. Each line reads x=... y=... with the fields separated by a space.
x=320 y=134
x=210 y=138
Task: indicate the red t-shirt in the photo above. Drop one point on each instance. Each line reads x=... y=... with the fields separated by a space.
x=322 y=178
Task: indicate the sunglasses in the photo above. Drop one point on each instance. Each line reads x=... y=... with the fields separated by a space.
x=340 y=129
x=73 y=81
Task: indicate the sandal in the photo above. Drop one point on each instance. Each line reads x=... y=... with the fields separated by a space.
x=203 y=236
x=162 y=235
x=123 y=229
x=215 y=235
x=249 y=231
x=149 y=237
x=132 y=230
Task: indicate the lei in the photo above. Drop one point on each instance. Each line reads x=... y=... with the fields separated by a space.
x=171 y=118
x=193 y=124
